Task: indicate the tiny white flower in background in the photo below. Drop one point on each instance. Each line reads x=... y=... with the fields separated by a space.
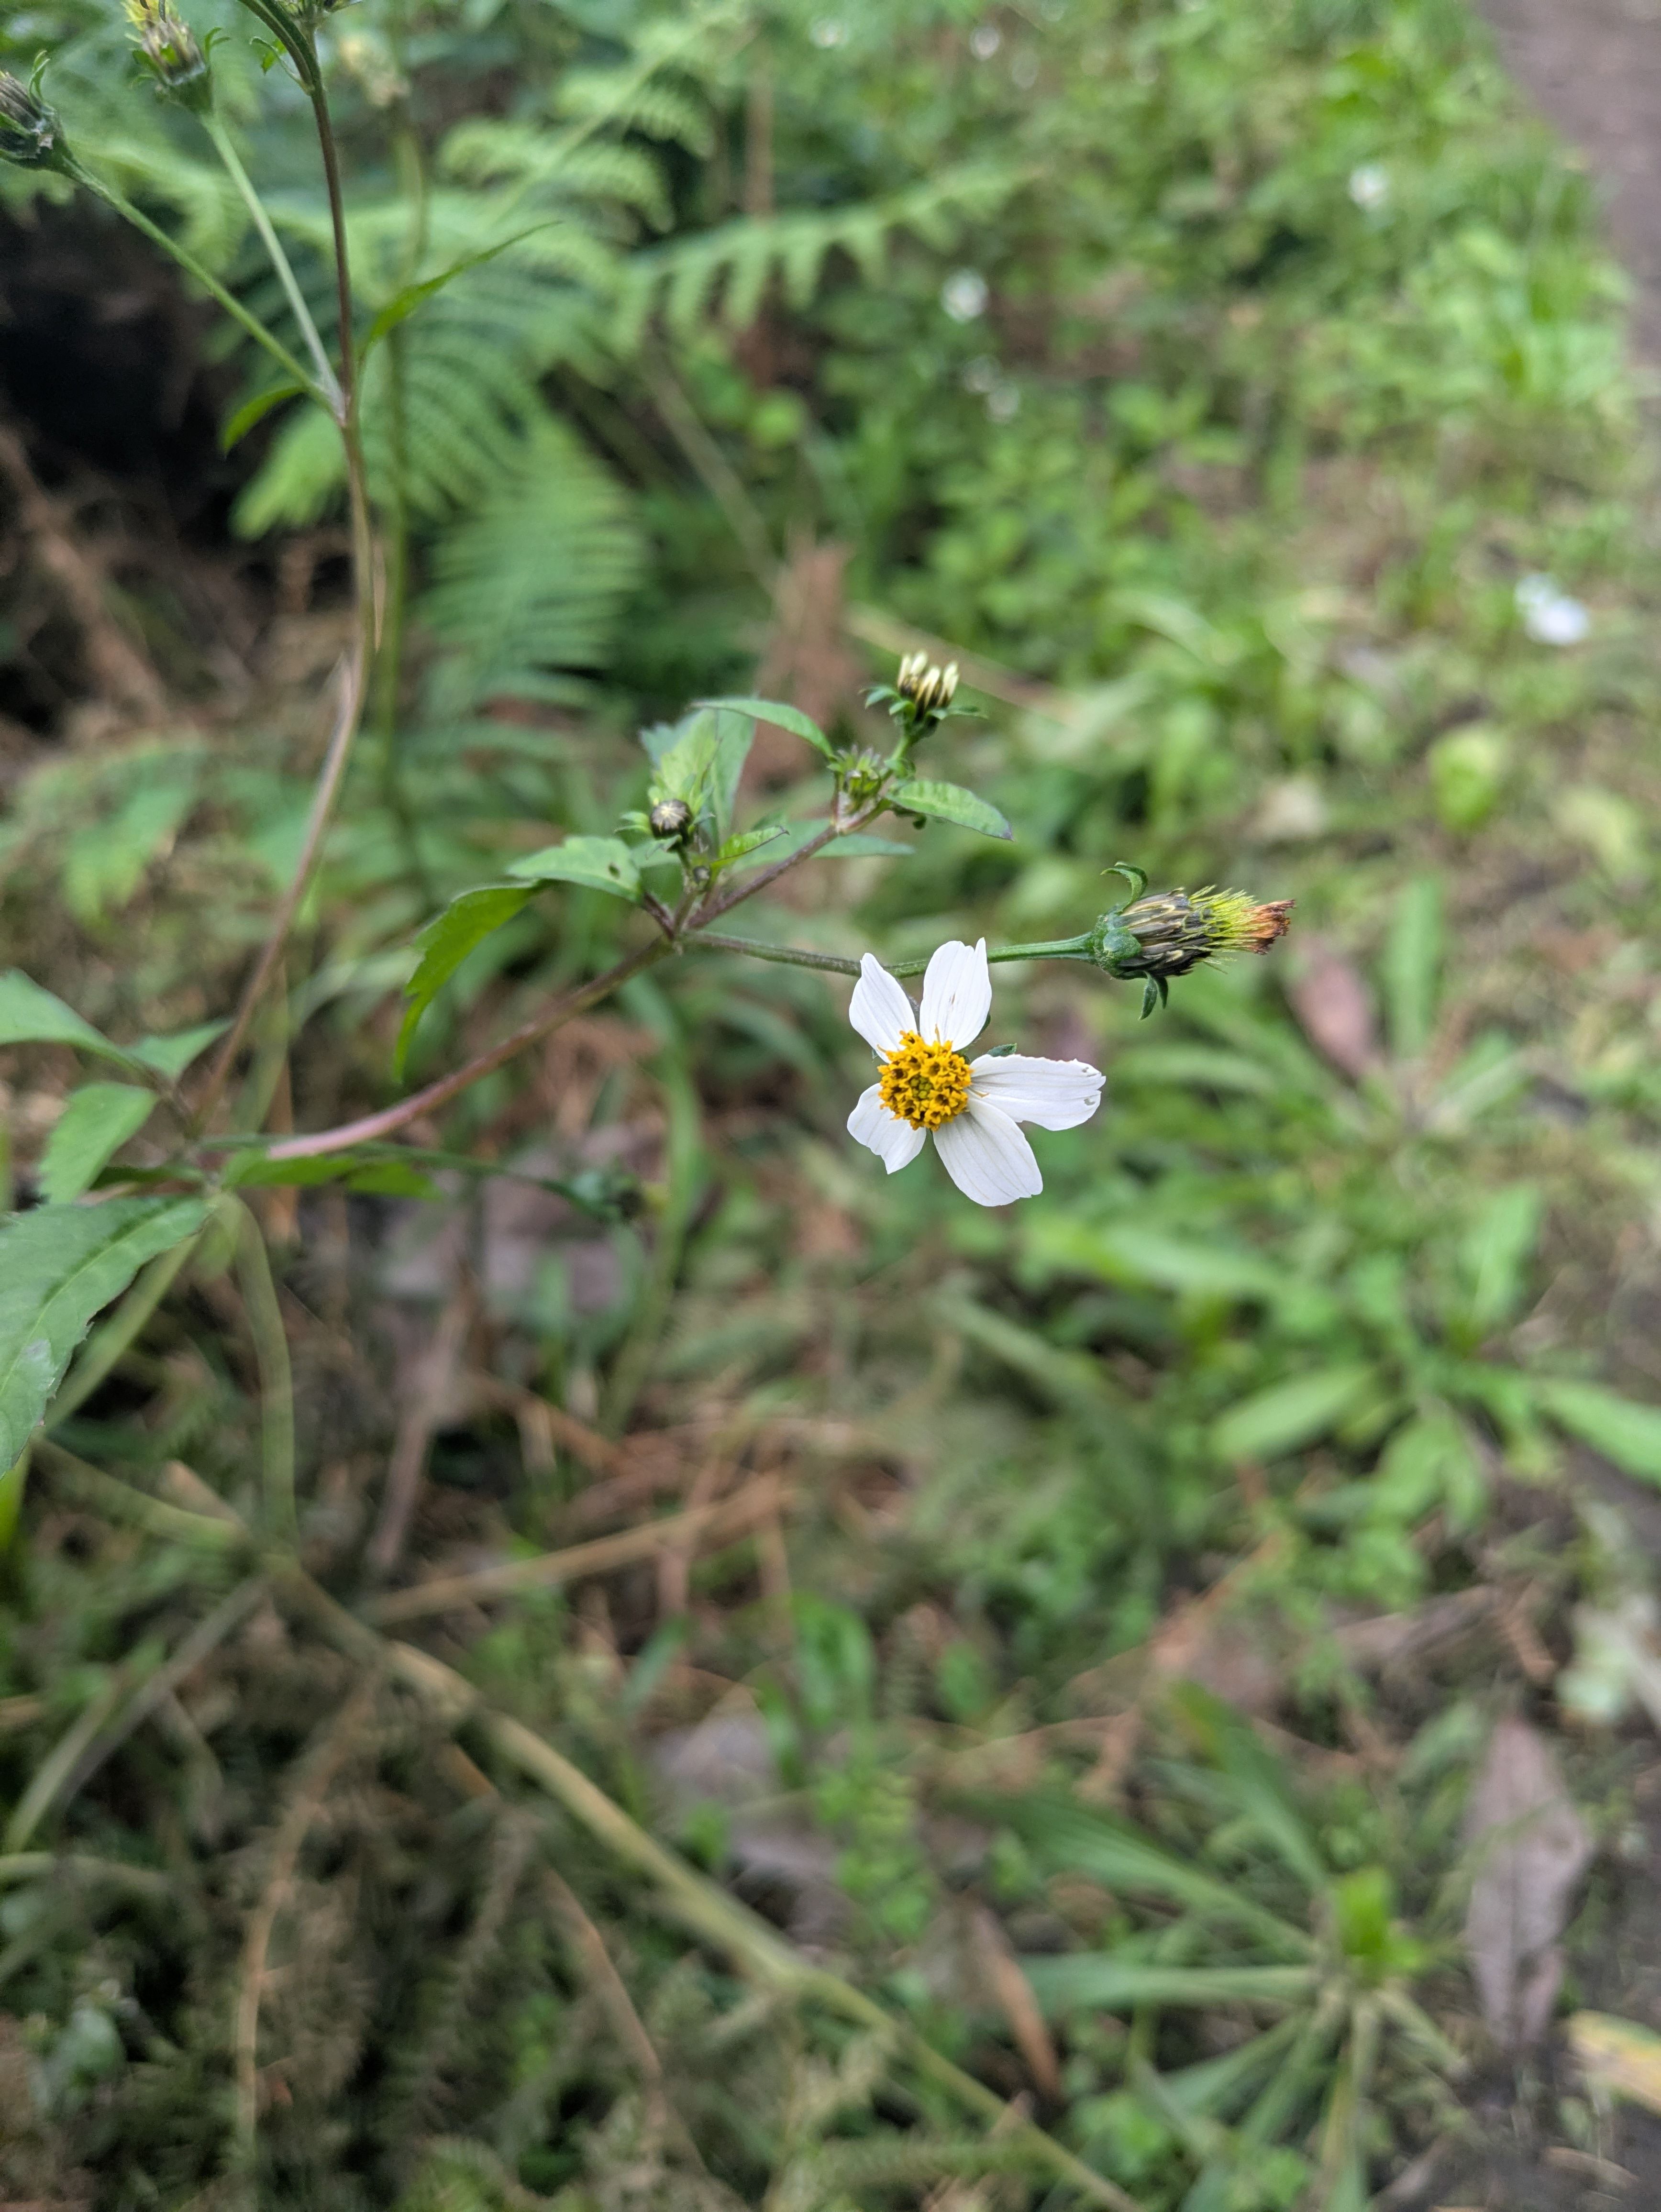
x=964 y=295
x=1550 y=615
x=828 y=32
x=985 y=41
x=1369 y=186
x=972 y=1108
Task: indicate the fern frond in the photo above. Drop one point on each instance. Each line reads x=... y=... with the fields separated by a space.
x=654 y=106
x=531 y=584
x=484 y=152
x=729 y=270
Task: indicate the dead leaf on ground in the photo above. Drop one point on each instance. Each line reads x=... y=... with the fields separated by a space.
x=1335 y=1011
x=1530 y=1848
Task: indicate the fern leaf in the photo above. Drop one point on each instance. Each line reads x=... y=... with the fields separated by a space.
x=531 y=584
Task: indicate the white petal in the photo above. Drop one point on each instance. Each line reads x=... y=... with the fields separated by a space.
x=895 y=1143
x=956 y=994
x=879 y=1009
x=1056 y=1094
x=986 y=1157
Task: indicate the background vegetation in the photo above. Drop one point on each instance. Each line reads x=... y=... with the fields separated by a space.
x=1240 y=393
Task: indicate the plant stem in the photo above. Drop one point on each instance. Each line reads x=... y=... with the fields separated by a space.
x=254 y=1269
x=450 y=1086
x=279 y=260
x=330 y=778
x=192 y=268
x=795 y=955
x=120 y=1501
x=325 y=140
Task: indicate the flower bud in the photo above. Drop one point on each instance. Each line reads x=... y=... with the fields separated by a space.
x=169 y=50
x=1172 y=932
x=30 y=132
x=670 y=819
x=929 y=689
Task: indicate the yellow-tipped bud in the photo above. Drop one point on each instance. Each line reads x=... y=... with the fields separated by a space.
x=930 y=690
x=1173 y=931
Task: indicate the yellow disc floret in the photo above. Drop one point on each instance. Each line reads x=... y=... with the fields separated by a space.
x=924 y=1083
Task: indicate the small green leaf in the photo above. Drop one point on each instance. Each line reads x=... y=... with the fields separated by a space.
x=1288 y=1415
x=172 y=1055
x=97 y=1121
x=404 y=303
x=748 y=841
x=598 y=863
x=59 y=1266
x=700 y=759
x=949 y=802
x=782 y=717
x=1260 y=1785
x=1628 y=1433
x=255 y=410
x=29 y=1015
x=445 y=943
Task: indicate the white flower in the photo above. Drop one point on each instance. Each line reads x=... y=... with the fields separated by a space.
x=1550 y=615
x=972 y=1107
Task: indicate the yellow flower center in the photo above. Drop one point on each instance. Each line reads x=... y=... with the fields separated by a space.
x=924 y=1083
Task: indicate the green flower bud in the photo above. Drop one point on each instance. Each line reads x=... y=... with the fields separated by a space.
x=862 y=775
x=30 y=132
x=670 y=819
x=169 y=50
x=1170 y=933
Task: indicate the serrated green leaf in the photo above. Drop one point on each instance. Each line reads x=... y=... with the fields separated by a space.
x=445 y=943
x=97 y=1121
x=172 y=1055
x=950 y=802
x=1624 y=1431
x=783 y=718
x=598 y=864
x=59 y=1267
x=255 y=410
x=1288 y=1415
x=1094 y=1979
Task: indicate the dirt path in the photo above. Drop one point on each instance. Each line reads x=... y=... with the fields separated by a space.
x=1593 y=67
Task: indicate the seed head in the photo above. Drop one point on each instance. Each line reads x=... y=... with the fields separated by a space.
x=670 y=819
x=1172 y=932
x=169 y=51
x=930 y=690
x=30 y=132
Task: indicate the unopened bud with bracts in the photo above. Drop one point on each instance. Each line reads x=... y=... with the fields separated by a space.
x=30 y=132
x=670 y=819
x=1168 y=934
x=168 y=49
x=930 y=690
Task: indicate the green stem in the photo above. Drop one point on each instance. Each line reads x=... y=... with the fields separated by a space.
x=118 y=1334
x=279 y=260
x=795 y=955
x=119 y=1501
x=683 y=1156
x=253 y=1271
x=192 y=268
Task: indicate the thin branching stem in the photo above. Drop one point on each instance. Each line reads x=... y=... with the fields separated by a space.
x=270 y=1339
x=278 y=259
